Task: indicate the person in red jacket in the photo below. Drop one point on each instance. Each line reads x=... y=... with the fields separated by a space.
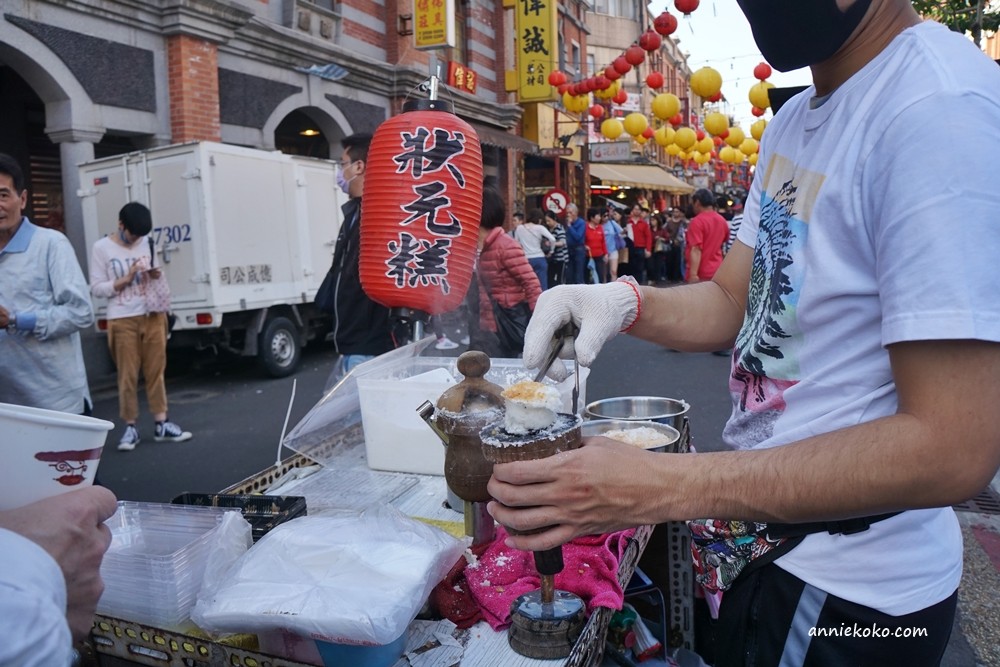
x=505 y=277
x=642 y=239
x=597 y=249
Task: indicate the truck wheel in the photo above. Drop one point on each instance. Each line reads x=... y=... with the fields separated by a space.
x=279 y=349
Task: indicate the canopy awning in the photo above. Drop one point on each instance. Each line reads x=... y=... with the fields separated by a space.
x=497 y=137
x=640 y=176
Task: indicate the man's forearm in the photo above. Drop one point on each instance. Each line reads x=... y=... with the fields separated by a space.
x=702 y=317
x=938 y=449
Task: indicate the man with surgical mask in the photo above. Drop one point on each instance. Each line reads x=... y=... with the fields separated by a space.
x=361 y=328
x=864 y=368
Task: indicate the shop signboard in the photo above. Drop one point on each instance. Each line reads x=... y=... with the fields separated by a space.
x=610 y=151
x=433 y=24
x=537 y=48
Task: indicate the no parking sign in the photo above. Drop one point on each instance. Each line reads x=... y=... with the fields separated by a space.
x=555 y=200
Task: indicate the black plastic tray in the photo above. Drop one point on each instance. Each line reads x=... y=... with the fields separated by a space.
x=262 y=512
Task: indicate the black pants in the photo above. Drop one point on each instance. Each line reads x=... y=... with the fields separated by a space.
x=770 y=618
x=556 y=270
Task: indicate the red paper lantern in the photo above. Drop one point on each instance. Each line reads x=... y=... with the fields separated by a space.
x=676 y=120
x=621 y=65
x=649 y=41
x=621 y=97
x=611 y=73
x=557 y=78
x=563 y=87
x=686 y=6
x=757 y=111
x=699 y=135
x=654 y=80
x=420 y=209
x=634 y=55
x=762 y=71
x=717 y=141
x=597 y=111
x=716 y=97
x=665 y=24
x=603 y=83
x=648 y=133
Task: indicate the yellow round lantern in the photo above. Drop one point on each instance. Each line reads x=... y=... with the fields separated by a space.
x=706 y=82
x=612 y=128
x=674 y=150
x=685 y=138
x=758 y=94
x=702 y=157
x=748 y=147
x=752 y=160
x=716 y=123
x=684 y=155
x=664 y=135
x=738 y=156
x=757 y=129
x=666 y=106
x=735 y=137
x=640 y=139
x=705 y=145
x=635 y=123
x=727 y=154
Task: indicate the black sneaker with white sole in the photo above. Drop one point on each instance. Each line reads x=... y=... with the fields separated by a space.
x=130 y=438
x=170 y=432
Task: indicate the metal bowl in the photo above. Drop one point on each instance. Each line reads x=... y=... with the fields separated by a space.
x=670 y=411
x=602 y=426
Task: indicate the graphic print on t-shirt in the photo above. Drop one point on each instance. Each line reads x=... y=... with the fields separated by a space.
x=767 y=348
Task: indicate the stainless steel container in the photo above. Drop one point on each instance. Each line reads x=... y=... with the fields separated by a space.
x=670 y=411
x=602 y=426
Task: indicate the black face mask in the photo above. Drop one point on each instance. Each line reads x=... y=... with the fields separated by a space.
x=796 y=33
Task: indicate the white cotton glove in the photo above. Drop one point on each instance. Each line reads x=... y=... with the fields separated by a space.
x=600 y=312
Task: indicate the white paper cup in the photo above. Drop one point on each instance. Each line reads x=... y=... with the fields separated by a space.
x=44 y=453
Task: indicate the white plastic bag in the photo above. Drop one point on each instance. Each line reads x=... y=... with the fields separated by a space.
x=344 y=577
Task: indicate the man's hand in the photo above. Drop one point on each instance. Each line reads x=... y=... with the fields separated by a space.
x=70 y=527
x=595 y=489
x=600 y=312
x=4 y=317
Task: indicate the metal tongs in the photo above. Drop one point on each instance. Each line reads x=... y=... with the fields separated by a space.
x=564 y=333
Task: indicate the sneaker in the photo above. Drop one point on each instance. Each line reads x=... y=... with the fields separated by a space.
x=130 y=438
x=465 y=340
x=445 y=343
x=170 y=432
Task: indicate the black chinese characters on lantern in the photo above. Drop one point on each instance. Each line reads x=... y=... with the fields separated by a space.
x=420 y=209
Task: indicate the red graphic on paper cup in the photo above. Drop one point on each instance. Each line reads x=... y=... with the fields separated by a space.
x=72 y=463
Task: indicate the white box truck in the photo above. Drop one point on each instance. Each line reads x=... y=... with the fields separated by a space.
x=244 y=236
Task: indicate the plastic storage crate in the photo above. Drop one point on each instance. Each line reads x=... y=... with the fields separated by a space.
x=262 y=512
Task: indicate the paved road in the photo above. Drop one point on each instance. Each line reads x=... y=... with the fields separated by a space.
x=236 y=415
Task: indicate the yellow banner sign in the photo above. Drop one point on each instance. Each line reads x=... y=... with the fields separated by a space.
x=433 y=24
x=537 y=48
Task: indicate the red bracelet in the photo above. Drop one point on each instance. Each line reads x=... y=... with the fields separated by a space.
x=638 y=301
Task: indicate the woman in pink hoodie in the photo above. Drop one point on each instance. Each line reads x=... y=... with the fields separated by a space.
x=505 y=277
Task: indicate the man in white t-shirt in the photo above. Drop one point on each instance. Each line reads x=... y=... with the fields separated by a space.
x=864 y=366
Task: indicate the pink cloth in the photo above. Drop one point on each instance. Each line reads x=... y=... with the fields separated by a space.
x=502 y=574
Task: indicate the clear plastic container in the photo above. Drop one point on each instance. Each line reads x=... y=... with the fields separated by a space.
x=153 y=570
